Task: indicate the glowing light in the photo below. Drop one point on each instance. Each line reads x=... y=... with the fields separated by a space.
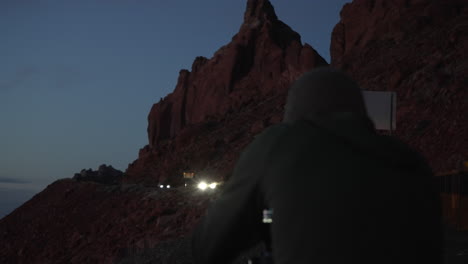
x=202 y=185
x=161 y=186
x=213 y=185
x=168 y=186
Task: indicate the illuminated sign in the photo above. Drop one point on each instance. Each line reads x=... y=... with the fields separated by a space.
x=189 y=175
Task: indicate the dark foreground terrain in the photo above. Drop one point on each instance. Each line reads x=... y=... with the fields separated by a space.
x=178 y=251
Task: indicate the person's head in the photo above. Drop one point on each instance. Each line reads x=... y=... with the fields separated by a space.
x=323 y=91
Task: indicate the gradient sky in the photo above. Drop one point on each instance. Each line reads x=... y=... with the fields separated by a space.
x=78 y=78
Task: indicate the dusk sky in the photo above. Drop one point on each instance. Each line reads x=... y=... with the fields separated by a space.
x=78 y=78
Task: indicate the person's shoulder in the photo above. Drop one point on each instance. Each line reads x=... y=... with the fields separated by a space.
x=269 y=136
x=404 y=154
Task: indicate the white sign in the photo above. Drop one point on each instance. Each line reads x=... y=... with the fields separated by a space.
x=381 y=107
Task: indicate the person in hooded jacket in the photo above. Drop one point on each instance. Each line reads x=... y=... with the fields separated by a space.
x=340 y=192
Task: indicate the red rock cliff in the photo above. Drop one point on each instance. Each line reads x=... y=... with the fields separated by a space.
x=263 y=52
x=416 y=48
x=260 y=62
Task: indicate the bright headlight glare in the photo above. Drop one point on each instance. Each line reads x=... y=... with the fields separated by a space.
x=161 y=186
x=202 y=185
x=213 y=185
x=168 y=186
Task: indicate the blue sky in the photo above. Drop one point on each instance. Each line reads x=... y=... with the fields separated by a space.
x=78 y=78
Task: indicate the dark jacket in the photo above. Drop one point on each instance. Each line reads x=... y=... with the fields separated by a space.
x=340 y=194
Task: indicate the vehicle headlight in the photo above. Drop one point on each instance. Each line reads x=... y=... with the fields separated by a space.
x=202 y=186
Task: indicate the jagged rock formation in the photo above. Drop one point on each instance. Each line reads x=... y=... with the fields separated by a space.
x=105 y=175
x=187 y=129
x=418 y=49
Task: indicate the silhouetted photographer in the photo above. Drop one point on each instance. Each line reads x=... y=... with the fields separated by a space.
x=340 y=192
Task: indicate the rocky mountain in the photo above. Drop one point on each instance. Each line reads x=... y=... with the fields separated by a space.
x=222 y=102
x=413 y=47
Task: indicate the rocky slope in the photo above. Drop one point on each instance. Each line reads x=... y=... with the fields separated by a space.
x=86 y=222
x=413 y=47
